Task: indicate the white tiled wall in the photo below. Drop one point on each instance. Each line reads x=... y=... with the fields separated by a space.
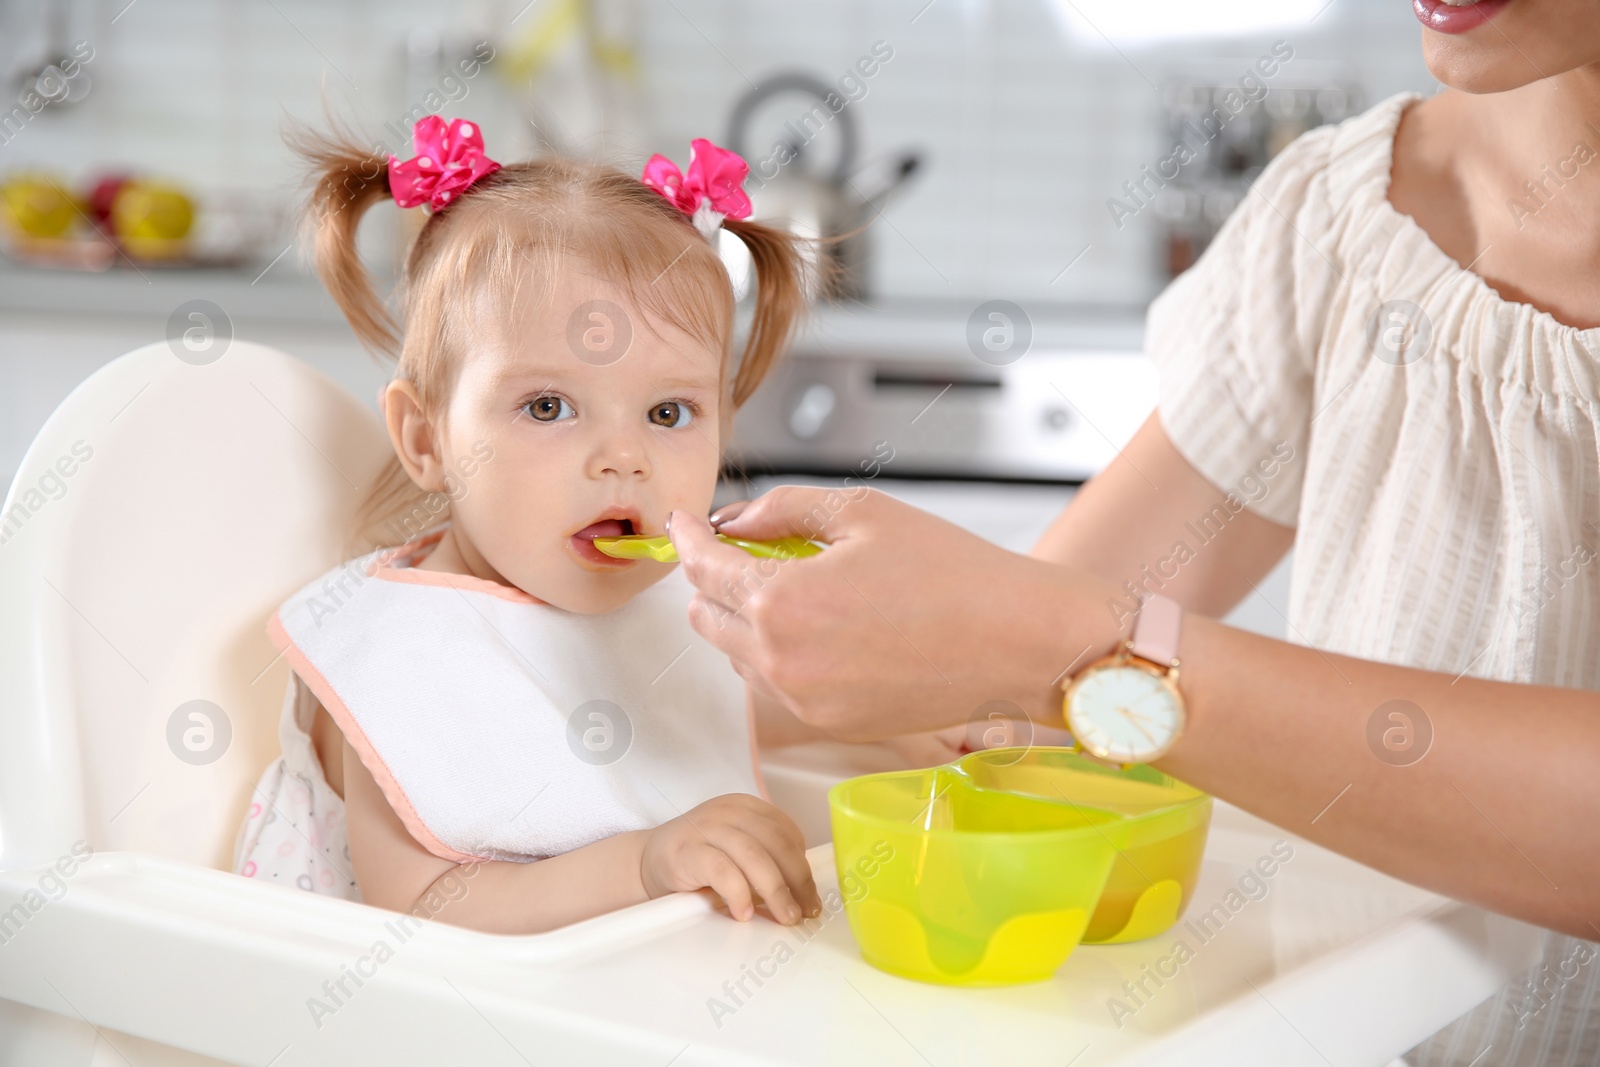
x=1027 y=118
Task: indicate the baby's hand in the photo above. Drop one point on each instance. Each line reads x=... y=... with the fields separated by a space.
x=740 y=846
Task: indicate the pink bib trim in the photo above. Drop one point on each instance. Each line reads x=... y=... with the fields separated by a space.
x=401 y=566
x=392 y=792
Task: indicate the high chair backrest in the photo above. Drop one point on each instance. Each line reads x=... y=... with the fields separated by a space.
x=165 y=510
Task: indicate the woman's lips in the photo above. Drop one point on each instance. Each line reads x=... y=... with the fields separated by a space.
x=1438 y=15
x=582 y=542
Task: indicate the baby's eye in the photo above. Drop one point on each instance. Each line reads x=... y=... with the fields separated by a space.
x=548 y=409
x=671 y=413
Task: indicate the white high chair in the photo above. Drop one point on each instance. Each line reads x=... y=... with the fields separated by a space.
x=161 y=515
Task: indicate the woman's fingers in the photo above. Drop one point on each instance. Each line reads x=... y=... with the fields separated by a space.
x=728 y=512
x=726 y=578
x=929 y=749
x=904 y=623
x=719 y=571
x=797 y=511
x=755 y=679
x=715 y=616
x=729 y=633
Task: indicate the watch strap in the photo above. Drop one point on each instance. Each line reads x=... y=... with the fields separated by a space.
x=1155 y=634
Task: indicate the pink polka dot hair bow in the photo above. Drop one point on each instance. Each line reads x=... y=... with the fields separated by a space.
x=711 y=190
x=449 y=159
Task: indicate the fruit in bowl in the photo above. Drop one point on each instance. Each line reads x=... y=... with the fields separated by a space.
x=151 y=219
x=103 y=195
x=37 y=206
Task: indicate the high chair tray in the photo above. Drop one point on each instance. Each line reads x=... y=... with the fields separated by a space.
x=1323 y=961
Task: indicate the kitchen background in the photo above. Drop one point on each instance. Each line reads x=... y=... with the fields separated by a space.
x=1003 y=149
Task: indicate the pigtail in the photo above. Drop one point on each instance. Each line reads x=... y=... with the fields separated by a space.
x=780 y=270
x=346 y=181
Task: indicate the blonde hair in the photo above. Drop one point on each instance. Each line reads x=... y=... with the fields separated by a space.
x=531 y=214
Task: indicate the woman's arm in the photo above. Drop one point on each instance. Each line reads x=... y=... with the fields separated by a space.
x=1454 y=785
x=1123 y=525
x=908 y=623
x=1499 y=810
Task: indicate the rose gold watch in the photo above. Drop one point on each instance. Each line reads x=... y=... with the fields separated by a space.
x=1126 y=707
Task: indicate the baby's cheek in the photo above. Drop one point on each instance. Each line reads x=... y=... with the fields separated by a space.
x=533 y=520
x=517 y=524
x=687 y=479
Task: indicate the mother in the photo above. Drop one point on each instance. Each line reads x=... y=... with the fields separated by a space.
x=1395 y=335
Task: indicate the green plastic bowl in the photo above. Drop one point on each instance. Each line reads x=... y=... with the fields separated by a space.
x=991 y=870
x=1164 y=829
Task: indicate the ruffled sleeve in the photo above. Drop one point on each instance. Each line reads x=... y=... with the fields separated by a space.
x=1235 y=337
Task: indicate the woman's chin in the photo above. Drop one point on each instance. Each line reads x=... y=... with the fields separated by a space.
x=1460 y=66
x=1500 y=53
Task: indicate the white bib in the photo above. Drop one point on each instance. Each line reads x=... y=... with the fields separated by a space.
x=499 y=727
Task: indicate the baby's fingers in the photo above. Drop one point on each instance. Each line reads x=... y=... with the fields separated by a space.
x=764 y=875
x=777 y=834
x=724 y=876
x=797 y=878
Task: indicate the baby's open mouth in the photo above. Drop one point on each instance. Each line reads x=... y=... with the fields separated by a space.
x=583 y=541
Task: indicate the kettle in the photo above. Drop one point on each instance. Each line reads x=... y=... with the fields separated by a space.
x=787 y=187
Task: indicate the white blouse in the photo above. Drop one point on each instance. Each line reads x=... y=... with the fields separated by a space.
x=1447 y=502
x=1445 y=485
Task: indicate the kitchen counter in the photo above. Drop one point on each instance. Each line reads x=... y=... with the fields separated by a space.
x=285 y=294
x=279 y=293
x=939 y=330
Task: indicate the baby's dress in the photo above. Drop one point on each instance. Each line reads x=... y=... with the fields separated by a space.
x=294 y=834
x=497 y=727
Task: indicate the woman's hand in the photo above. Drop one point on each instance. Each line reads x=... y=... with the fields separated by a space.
x=905 y=623
x=741 y=847
x=930 y=749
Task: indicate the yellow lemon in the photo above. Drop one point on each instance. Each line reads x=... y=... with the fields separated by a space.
x=151 y=219
x=37 y=206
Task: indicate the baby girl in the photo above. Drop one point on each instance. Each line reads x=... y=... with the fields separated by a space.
x=497 y=692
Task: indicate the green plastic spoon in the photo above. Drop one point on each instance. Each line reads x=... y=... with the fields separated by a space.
x=660 y=549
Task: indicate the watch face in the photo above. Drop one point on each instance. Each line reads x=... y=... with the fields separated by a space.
x=1125 y=714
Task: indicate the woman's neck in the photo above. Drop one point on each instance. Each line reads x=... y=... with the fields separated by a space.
x=1526 y=130
x=1509 y=184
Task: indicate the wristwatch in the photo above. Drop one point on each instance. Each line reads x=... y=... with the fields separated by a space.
x=1126 y=708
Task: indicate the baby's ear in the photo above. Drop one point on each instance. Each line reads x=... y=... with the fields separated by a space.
x=413 y=436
